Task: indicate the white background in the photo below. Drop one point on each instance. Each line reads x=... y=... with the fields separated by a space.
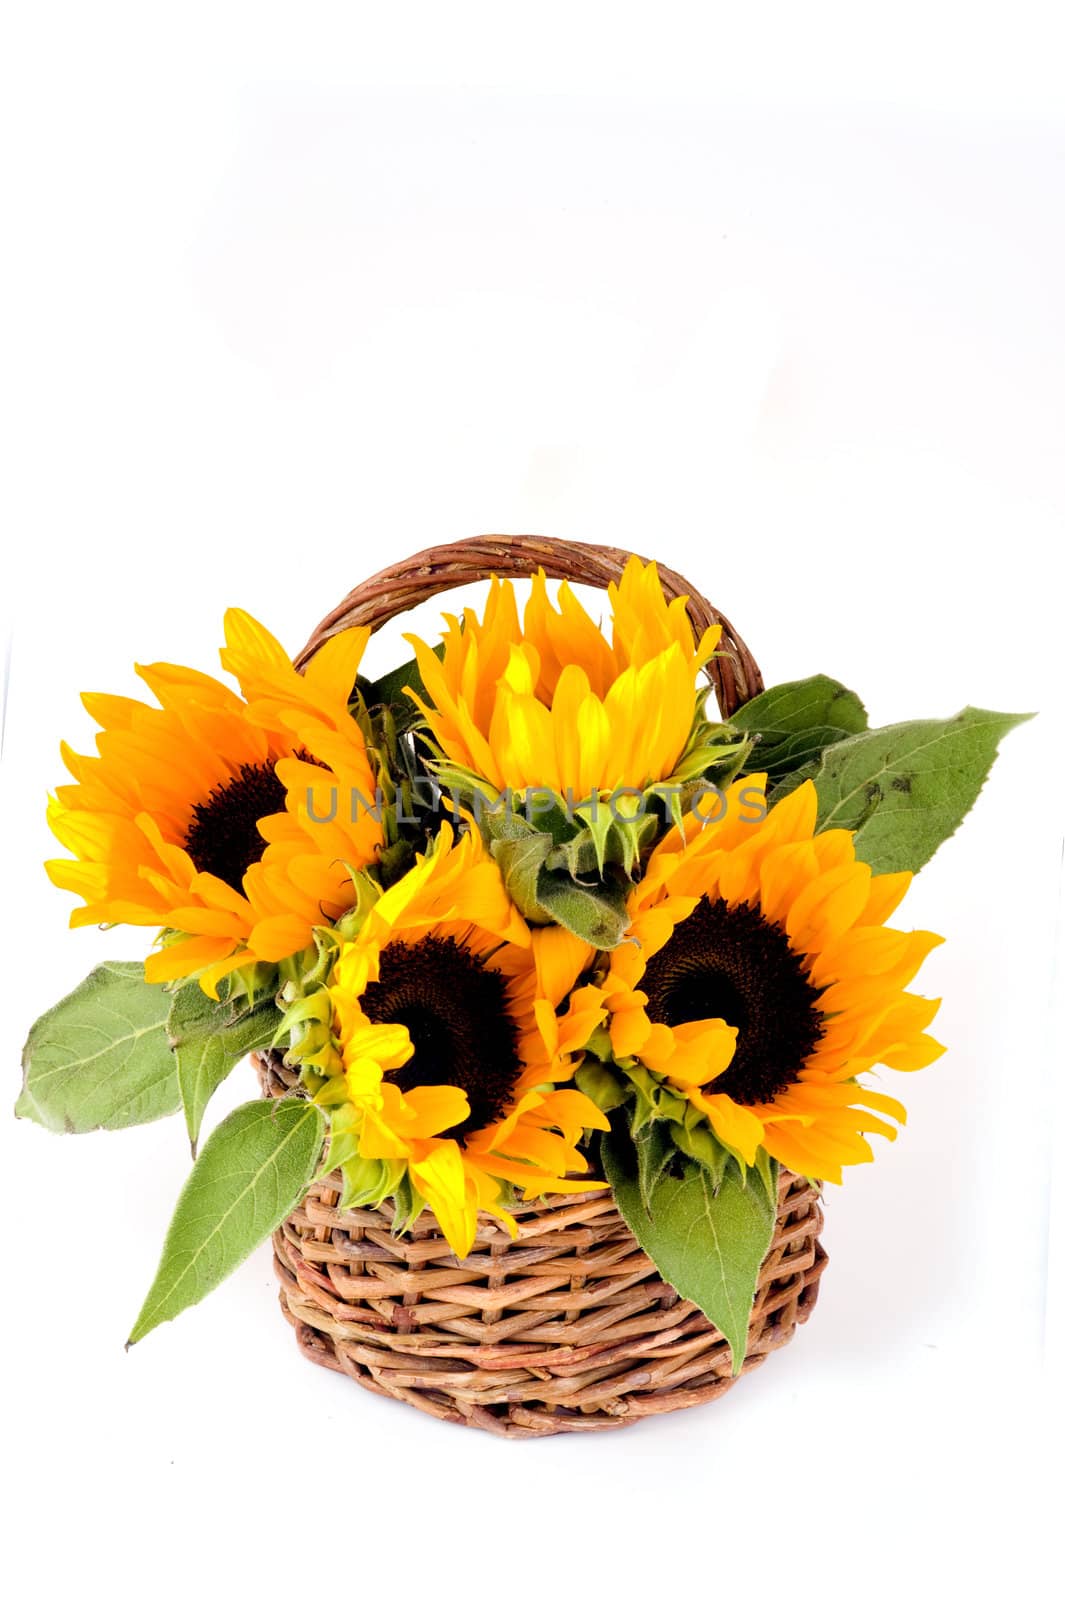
x=775 y=296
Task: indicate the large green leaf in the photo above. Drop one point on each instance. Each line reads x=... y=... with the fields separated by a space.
x=99 y=1059
x=255 y=1167
x=794 y=722
x=208 y=1039
x=904 y=789
x=709 y=1245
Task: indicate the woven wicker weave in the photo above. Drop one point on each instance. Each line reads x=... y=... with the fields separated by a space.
x=569 y=1327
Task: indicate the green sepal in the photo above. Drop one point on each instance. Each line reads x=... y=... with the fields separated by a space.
x=599 y=1045
x=466 y=790
x=768 y=1170
x=305 y=1033
x=696 y=1139
x=252 y=984
x=327 y=1089
x=304 y=1030
x=605 y=1087
x=655 y=1151
x=367 y=1182
x=605 y=833
x=310 y=969
x=596 y=829
x=607 y=838
x=714 y=754
x=364 y=1181
x=646 y=1087
x=408 y=1205
x=407 y=819
x=654 y=1100
x=670 y=1106
x=395 y=861
x=344 y=1122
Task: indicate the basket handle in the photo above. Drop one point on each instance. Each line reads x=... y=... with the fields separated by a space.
x=733 y=672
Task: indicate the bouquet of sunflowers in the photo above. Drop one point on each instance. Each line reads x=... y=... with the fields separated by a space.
x=565 y=987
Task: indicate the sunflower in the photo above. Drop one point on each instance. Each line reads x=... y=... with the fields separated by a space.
x=199 y=815
x=445 y=1008
x=759 y=982
x=551 y=704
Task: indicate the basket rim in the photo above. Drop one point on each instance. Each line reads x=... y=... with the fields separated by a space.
x=406 y=583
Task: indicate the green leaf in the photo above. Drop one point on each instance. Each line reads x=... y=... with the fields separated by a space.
x=520 y=860
x=208 y=1038
x=645 y=1105
x=794 y=722
x=768 y=1171
x=596 y=913
x=905 y=789
x=389 y=691
x=99 y=1059
x=814 y=702
x=696 y=1139
x=709 y=1246
x=255 y=1167
x=654 y=1152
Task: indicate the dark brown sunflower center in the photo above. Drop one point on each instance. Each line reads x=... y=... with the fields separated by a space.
x=223 y=837
x=455 y=1010
x=730 y=962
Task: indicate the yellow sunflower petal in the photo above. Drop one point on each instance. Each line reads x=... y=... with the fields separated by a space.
x=440 y=1177
x=550 y=703
x=435 y=1107
x=735 y=1125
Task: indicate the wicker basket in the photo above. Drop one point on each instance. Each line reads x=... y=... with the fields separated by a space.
x=569 y=1327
